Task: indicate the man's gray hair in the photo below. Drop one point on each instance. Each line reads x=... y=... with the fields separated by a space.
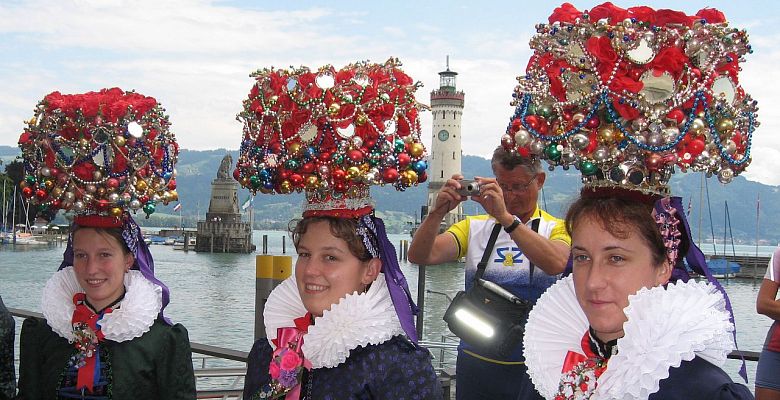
x=509 y=160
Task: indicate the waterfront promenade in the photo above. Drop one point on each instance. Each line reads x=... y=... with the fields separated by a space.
x=213 y=294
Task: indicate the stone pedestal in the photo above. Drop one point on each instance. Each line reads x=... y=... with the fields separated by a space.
x=223 y=231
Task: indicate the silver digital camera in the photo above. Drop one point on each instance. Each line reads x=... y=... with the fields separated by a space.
x=468 y=188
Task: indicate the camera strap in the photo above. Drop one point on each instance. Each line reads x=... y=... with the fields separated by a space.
x=486 y=255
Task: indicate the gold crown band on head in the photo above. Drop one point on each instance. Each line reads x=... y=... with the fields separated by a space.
x=331 y=133
x=99 y=153
x=627 y=95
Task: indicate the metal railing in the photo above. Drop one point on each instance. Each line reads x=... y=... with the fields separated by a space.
x=444 y=353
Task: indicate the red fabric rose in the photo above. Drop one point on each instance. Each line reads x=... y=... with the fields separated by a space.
x=670 y=59
x=565 y=13
x=601 y=48
x=401 y=78
x=609 y=11
x=711 y=15
x=344 y=75
x=290 y=360
x=666 y=17
x=643 y=14
x=273 y=370
x=730 y=68
x=84 y=171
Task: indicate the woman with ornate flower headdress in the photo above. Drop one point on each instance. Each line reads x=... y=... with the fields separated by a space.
x=341 y=327
x=627 y=96
x=99 y=155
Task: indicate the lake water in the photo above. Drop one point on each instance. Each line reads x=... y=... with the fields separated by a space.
x=213 y=295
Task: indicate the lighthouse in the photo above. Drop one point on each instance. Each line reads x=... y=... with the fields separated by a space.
x=445 y=153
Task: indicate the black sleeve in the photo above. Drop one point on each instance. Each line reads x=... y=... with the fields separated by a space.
x=410 y=375
x=257 y=367
x=31 y=361
x=175 y=377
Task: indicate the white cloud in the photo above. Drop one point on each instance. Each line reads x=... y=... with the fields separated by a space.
x=195 y=58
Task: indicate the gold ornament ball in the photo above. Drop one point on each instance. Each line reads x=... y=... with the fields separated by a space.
x=101 y=191
x=294 y=148
x=141 y=186
x=361 y=119
x=48 y=184
x=334 y=109
x=409 y=177
x=56 y=192
x=274 y=99
x=312 y=182
x=115 y=212
x=697 y=126
x=285 y=187
x=606 y=134
x=84 y=143
x=174 y=195
x=353 y=173
x=416 y=149
x=119 y=141
x=725 y=126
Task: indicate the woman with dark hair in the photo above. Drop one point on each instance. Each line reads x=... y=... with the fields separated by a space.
x=629 y=97
x=354 y=344
x=104 y=335
x=342 y=327
x=625 y=296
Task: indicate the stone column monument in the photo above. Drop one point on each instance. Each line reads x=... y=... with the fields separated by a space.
x=223 y=231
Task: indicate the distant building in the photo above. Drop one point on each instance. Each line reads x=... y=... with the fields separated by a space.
x=445 y=154
x=223 y=231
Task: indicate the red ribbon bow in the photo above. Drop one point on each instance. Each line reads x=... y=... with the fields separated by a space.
x=573 y=358
x=84 y=315
x=292 y=338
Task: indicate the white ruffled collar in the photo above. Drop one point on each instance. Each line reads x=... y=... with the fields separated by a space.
x=359 y=319
x=665 y=327
x=134 y=317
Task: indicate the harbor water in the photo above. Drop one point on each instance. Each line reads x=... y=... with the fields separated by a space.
x=213 y=294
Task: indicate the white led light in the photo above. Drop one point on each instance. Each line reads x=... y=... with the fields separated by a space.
x=475 y=323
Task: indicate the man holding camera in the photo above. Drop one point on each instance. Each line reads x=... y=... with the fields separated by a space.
x=530 y=252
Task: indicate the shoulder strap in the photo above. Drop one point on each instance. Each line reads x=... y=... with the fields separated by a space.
x=486 y=255
x=535 y=228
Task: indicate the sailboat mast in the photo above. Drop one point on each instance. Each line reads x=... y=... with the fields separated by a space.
x=758 y=208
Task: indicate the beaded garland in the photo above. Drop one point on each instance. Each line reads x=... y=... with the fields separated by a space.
x=99 y=153
x=331 y=133
x=627 y=95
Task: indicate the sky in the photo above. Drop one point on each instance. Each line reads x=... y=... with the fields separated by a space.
x=195 y=57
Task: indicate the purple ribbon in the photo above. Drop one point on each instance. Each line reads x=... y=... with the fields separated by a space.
x=396 y=281
x=134 y=240
x=698 y=264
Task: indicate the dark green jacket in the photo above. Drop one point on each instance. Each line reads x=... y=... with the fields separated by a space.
x=157 y=365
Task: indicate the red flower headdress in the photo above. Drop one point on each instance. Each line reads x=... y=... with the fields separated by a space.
x=331 y=134
x=625 y=95
x=99 y=153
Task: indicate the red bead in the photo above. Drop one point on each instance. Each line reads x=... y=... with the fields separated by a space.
x=40 y=194
x=390 y=175
x=338 y=175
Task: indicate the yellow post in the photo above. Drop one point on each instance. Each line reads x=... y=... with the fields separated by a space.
x=264 y=283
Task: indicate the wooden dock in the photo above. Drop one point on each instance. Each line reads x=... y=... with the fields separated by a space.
x=752 y=267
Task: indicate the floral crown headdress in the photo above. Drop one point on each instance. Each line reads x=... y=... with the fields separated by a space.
x=99 y=154
x=331 y=134
x=628 y=95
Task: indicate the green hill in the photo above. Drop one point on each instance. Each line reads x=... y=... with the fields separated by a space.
x=196 y=170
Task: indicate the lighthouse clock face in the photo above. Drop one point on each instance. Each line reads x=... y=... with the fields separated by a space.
x=443 y=135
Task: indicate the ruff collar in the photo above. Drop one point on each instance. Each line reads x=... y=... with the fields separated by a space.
x=359 y=319
x=131 y=318
x=665 y=327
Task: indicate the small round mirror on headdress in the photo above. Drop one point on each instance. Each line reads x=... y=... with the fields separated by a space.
x=357 y=127
x=658 y=88
x=723 y=88
x=99 y=153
